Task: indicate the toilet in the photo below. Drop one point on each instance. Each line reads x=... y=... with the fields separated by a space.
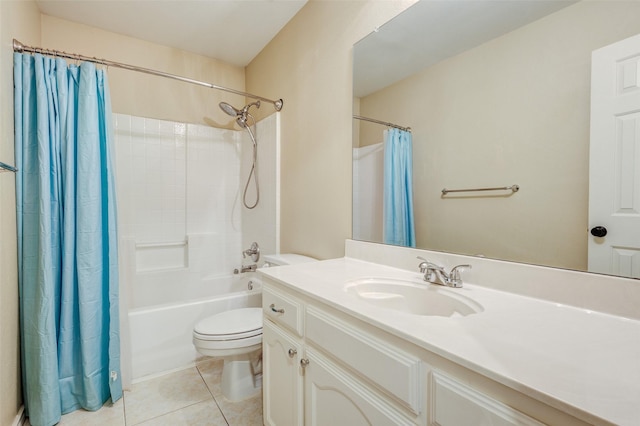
x=236 y=336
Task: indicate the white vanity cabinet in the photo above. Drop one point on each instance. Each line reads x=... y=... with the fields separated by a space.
x=324 y=367
x=330 y=373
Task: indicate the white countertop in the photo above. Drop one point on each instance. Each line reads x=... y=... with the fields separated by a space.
x=582 y=362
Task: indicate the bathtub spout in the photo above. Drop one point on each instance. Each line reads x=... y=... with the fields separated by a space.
x=250 y=268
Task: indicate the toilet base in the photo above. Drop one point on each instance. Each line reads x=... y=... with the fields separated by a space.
x=242 y=376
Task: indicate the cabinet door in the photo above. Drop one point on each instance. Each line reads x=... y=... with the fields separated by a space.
x=282 y=378
x=455 y=404
x=334 y=397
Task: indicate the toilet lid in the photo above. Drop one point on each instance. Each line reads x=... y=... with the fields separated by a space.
x=233 y=324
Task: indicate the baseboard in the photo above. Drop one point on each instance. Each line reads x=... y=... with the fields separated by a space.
x=20 y=417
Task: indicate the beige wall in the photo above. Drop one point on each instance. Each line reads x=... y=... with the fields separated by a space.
x=512 y=111
x=21 y=20
x=309 y=65
x=146 y=95
x=131 y=93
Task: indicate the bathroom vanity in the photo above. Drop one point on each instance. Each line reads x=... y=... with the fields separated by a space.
x=341 y=347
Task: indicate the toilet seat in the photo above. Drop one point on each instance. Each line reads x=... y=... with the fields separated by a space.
x=237 y=328
x=227 y=337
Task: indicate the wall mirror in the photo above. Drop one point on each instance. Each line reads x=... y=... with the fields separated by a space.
x=496 y=93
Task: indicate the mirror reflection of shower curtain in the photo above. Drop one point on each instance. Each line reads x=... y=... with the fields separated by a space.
x=398 y=221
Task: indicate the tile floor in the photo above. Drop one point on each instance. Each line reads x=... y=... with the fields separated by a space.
x=187 y=397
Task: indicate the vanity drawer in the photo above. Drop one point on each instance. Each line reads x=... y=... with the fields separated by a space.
x=365 y=354
x=282 y=309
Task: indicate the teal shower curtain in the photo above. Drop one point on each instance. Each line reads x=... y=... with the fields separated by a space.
x=397 y=217
x=67 y=245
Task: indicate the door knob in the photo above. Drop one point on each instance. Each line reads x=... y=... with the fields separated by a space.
x=598 y=231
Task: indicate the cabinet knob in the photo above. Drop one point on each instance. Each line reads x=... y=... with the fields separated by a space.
x=304 y=362
x=292 y=353
x=273 y=309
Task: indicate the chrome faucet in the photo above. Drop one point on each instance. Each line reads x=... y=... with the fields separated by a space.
x=436 y=274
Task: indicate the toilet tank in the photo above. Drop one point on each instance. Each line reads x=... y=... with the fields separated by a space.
x=286 y=259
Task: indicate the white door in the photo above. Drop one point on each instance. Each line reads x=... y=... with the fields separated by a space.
x=614 y=161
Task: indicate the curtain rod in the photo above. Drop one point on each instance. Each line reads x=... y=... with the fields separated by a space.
x=19 y=47
x=384 y=123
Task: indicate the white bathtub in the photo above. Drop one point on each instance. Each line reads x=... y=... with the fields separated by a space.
x=160 y=335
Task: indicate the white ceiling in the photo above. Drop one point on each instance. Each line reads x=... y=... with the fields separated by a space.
x=432 y=30
x=234 y=31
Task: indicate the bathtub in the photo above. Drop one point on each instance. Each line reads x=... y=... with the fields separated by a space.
x=160 y=334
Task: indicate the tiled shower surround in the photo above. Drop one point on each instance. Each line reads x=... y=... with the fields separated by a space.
x=176 y=179
x=182 y=230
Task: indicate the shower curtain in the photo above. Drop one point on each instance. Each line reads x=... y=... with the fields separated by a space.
x=398 y=223
x=67 y=252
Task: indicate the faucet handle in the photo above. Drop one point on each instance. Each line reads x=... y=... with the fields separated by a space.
x=423 y=265
x=253 y=251
x=427 y=264
x=432 y=271
x=455 y=273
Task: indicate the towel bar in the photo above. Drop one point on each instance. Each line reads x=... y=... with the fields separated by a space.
x=7 y=168
x=513 y=188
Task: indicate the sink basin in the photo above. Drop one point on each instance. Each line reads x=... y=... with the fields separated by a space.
x=413 y=297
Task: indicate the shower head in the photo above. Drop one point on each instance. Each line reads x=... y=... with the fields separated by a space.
x=240 y=114
x=229 y=109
